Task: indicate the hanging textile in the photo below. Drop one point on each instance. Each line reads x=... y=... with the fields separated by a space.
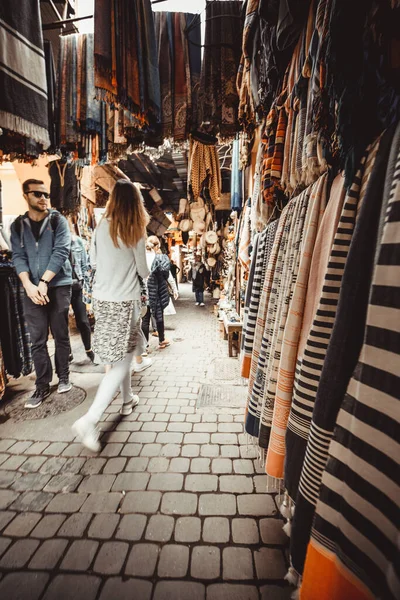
x=65 y=186
x=219 y=100
x=14 y=336
x=245 y=239
x=204 y=167
x=236 y=179
x=354 y=545
x=23 y=98
x=310 y=353
x=247 y=102
x=291 y=333
x=51 y=92
x=260 y=258
x=179 y=57
x=125 y=49
x=344 y=347
x=2 y=375
x=81 y=117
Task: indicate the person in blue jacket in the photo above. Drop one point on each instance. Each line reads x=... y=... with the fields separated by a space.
x=41 y=246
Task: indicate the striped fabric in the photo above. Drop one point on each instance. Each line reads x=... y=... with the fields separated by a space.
x=260 y=257
x=291 y=334
x=252 y=410
x=354 y=549
x=309 y=374
x=23 y=85
x=283 y=280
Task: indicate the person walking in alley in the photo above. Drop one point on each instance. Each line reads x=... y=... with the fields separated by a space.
x=198 y=276
x=157 y=283
x=41 y=244
x=118 y=255
x=79 y=267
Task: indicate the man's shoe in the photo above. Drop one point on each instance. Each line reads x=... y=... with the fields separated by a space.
x=64 y=386
x=145 y=364
x=87 y=434
x=38 y=397
x=90 y=354
x=197 y=303
x=127 y=408
x=202 y=304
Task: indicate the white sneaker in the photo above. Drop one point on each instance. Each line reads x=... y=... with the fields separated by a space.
x=145 y=364
x=87 y=434
x=197 y=303
x=202 y=304
x=127 y=408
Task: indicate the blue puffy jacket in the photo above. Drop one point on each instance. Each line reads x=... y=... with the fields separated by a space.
x=50 y=253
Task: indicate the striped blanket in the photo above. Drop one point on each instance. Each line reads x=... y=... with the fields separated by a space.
x=354 y=549
x=23 y=97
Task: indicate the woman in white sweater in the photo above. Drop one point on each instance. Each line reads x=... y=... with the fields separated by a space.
x=119 y=257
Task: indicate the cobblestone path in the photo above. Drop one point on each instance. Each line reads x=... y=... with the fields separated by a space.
x=174 y=508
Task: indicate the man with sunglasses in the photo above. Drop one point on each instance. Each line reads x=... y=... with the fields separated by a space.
x=41 y=245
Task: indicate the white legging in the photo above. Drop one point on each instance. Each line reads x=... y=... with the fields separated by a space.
x=118 y=376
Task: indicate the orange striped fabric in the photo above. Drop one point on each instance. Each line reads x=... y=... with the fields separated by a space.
x=291 y=335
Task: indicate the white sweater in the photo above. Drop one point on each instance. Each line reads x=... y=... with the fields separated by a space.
x=117 y=269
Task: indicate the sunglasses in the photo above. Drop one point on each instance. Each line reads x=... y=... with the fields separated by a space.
x=40 y=194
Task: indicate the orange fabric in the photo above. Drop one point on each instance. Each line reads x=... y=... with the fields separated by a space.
x=287 y=366
x=326 y=578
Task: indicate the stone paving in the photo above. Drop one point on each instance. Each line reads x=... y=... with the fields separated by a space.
x=173 y=508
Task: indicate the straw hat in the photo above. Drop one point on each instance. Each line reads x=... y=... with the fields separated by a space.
x=186 y=225
x=211 y=237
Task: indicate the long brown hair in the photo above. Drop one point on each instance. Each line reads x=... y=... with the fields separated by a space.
x=127 y=214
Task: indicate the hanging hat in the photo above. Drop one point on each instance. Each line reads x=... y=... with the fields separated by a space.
x=183 y=206
x=186 y=225
x=211 y=237
x=214 y=249
x=199 y=226
x=211 y=261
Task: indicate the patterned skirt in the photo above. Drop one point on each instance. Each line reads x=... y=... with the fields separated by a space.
x=117 y=330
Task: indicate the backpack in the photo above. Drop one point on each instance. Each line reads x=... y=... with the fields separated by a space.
x=54 y=221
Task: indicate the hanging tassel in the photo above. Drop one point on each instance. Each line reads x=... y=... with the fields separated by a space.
x=285 y=507
x=292 y=577
x=287 y=528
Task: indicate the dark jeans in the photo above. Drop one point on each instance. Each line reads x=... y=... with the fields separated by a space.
x=81 y=317
x=199 y=295
x=146 y=327
x=38 y=319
